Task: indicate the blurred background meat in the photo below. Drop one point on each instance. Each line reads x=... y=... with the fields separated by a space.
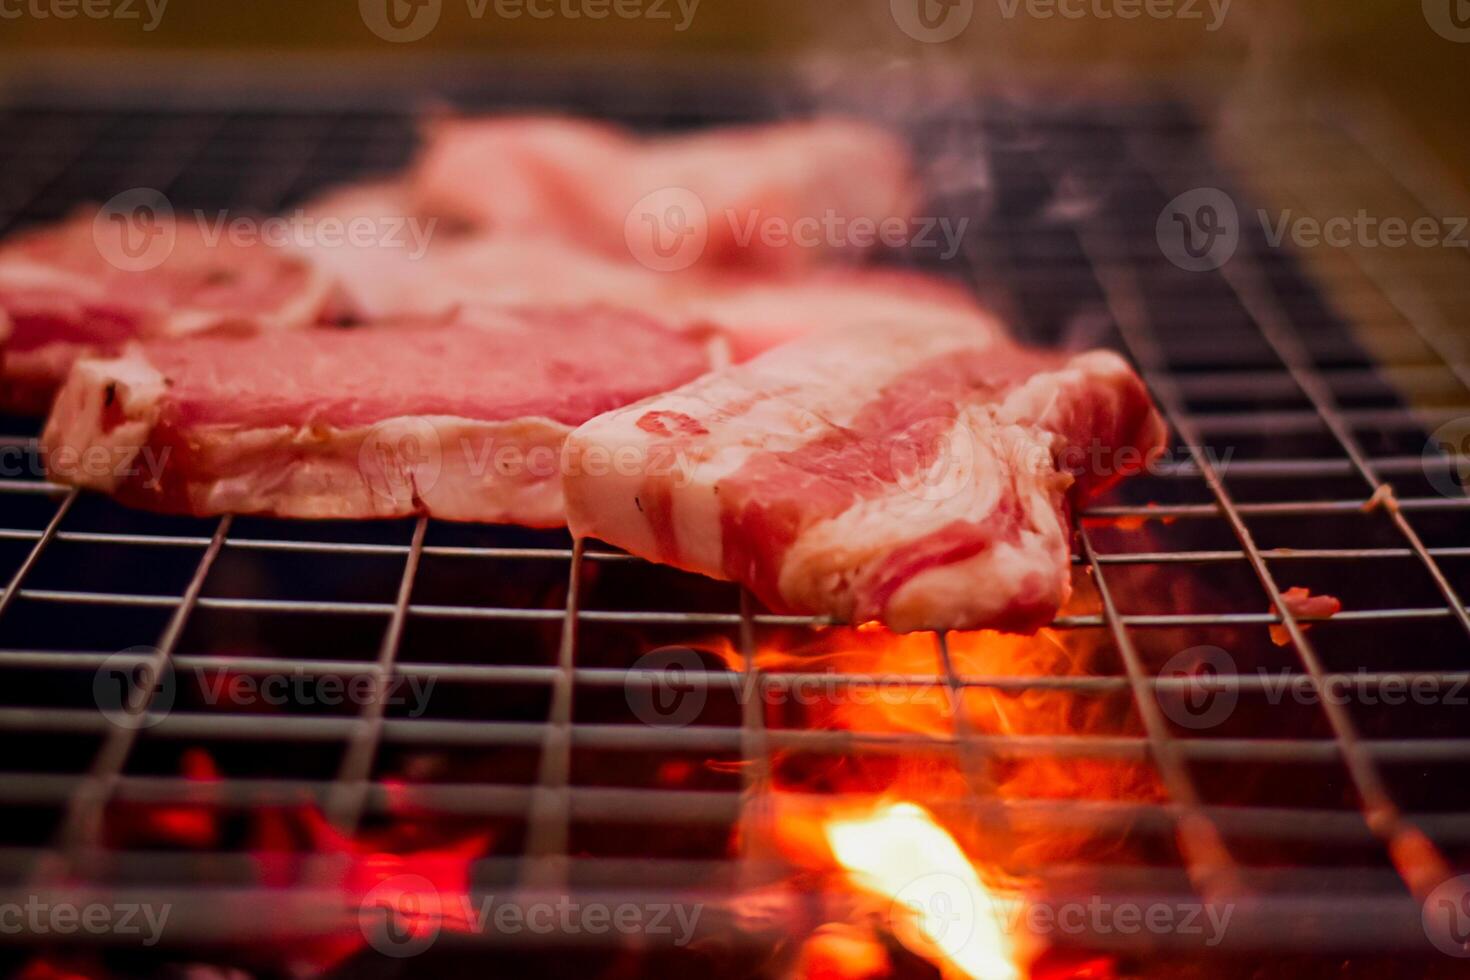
x=584 y=183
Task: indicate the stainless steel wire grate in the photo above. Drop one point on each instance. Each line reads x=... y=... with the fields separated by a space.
x=1297 y=397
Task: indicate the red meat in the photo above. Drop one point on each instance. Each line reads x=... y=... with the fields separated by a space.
x=920 y=474
x=462 y=420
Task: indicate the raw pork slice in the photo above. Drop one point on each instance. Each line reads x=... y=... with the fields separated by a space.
x=462 y=420
x=760 y=313
x=917 y=474
x=375 y=247
x=756 y=311
x=775 y=196
x=69 y=291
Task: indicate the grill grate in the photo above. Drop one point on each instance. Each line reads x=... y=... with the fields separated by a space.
x=1290 y=425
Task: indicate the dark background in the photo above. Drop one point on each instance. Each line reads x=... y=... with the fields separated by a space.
x=1385 y=47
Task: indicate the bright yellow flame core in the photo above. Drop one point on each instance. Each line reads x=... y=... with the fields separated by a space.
x=899 y=851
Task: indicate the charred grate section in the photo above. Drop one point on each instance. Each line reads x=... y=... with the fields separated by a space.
x=1324 y=821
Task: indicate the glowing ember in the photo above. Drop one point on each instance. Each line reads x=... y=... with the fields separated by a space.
x=838 y=951
x=1302 y=603
x=900 y=852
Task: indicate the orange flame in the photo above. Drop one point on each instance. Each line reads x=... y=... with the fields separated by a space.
x=864 y=815
x=942 y=909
